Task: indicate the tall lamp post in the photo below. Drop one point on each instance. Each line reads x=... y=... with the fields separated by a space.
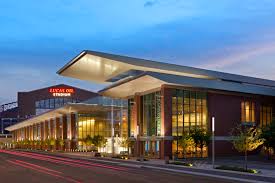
x=113 y=130
x=213 y=142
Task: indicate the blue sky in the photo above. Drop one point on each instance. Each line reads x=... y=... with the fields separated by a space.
x=36 y=39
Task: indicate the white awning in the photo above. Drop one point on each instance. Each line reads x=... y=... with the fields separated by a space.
x=67 y=109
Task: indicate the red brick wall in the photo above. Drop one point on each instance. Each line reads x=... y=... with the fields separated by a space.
x=26 y=100
x=226 y=108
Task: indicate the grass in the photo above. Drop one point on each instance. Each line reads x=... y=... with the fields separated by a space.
x=181 y=163
x=237 y=169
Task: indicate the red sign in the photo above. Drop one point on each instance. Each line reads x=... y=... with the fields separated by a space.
x=62 y=92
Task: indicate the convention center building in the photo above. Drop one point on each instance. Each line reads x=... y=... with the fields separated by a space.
x=152 y=104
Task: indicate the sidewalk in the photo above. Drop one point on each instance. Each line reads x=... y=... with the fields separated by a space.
x=201 y=168
x=266 y=168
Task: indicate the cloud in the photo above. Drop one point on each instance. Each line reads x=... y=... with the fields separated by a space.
x=240 y=54
x=26 y=78
x=150 y=3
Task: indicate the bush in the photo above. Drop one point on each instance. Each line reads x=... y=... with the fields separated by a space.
x=182 y=163
x=237 y=169
x=144 y=159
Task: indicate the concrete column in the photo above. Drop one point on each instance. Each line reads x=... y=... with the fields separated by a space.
x=31 y=128
x=64 y=127
x=138 y=150
x=51 y=128
x=42 y=131
x=166 y=121
x=57 y=128
x=73 y=131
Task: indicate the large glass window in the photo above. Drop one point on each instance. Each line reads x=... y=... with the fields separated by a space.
x=265 y=115
x=248 y=112
x=88 y=125
x=43 y=106
x=189 y=111
x=100 y=124
x=131 y=113
x=151 y=114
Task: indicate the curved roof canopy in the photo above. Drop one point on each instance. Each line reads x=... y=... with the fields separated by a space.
x=150 y=81
x=109 y=68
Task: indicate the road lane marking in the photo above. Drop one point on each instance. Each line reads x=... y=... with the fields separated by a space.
x=59 y=159
x=37 y=166
x=44 y=172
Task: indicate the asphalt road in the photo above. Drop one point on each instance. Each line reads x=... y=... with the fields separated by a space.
x=25 y=167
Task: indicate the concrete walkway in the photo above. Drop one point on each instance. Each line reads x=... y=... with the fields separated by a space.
x=267 y=168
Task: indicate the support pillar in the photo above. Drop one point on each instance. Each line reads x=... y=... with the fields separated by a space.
x=166 y=122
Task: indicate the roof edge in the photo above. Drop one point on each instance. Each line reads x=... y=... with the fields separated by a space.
x=71 y=62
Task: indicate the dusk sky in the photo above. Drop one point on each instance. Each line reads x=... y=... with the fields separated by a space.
x=36 y=39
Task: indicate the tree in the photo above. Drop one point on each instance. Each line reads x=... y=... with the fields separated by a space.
x=99 y=141
x=245 y=139
x=268 y=133
x=59 y=143
x=201 y=138
x=43 y=144
x=88 y=141
x=38 y=144
x=52 y=143
x=186 y=142
x=124 y=143
x=62 y=143
x=48 y=143
x=27 y=143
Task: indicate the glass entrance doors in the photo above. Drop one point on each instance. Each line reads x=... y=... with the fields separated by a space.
x=152 y=149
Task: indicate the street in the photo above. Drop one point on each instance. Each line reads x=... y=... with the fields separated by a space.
x=33 y=167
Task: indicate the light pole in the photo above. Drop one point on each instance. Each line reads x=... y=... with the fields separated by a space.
x=213 y=142
x=112 y=126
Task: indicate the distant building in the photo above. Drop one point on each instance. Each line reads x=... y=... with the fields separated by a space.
x=8 y=116
x=38 y=101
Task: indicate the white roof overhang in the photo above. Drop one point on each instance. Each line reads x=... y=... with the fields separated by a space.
x=151 y=81
x=67 y=109
x=129 y=88
x=105 y=68
x=100 y=68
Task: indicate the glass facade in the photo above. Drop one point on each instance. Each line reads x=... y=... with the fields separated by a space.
x=131 y=124
x=265 y=115
x=6 y=122
x=189 y=111
x=248 y=112
x=151 y=125
x=100 y=124
x=48 y=104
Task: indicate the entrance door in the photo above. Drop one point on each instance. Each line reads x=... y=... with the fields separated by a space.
x=152 y=149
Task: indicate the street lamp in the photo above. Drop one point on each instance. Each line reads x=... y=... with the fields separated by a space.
x=213 y=142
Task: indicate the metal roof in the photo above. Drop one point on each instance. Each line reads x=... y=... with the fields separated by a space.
x=152 y=80
x=109 y=67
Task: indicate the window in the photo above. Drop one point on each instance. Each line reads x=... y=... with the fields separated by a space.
x=189 y=111
x=151 y=114
x=131 y=117
x=248 y=112
x=265 y=115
